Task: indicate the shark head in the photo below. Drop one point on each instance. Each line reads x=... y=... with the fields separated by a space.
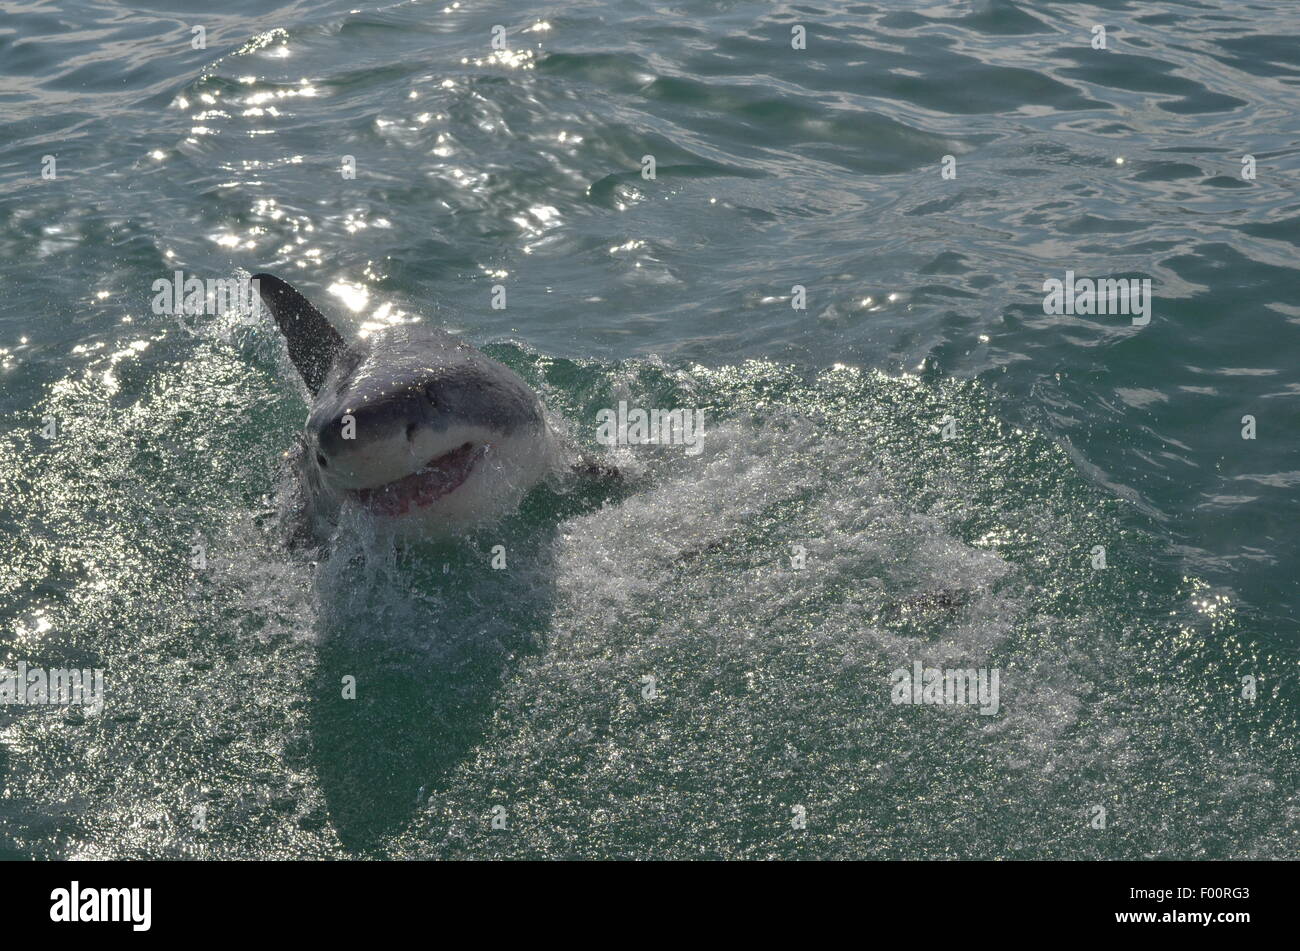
x=411 y=425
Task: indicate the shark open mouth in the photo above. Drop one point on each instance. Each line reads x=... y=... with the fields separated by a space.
x=439 y=477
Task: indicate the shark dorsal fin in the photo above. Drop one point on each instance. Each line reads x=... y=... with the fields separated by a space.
x=313 y=343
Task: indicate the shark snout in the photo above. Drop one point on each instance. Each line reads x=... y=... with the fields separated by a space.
x=388 y=439
x=372 y=443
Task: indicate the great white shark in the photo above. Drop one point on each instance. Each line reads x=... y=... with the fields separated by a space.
x=412 y=425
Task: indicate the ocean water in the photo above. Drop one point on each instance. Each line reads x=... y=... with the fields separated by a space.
x=651 y=675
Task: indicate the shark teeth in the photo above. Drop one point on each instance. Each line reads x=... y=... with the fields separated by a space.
x=439 y=477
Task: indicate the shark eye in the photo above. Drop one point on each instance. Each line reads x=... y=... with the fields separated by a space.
x=320 y=458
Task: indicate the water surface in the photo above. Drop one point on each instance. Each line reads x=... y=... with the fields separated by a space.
x=224 y=734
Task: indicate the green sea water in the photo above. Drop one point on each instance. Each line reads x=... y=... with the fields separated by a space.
x=651 y=674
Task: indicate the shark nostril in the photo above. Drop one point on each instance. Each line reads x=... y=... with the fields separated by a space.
x=410 y=431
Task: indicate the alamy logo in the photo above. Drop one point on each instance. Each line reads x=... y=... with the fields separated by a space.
x=640 y=427
x=180 y=296
x=103 y=904
x=953 y=686
x=35 y=685
x=1108 y=295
